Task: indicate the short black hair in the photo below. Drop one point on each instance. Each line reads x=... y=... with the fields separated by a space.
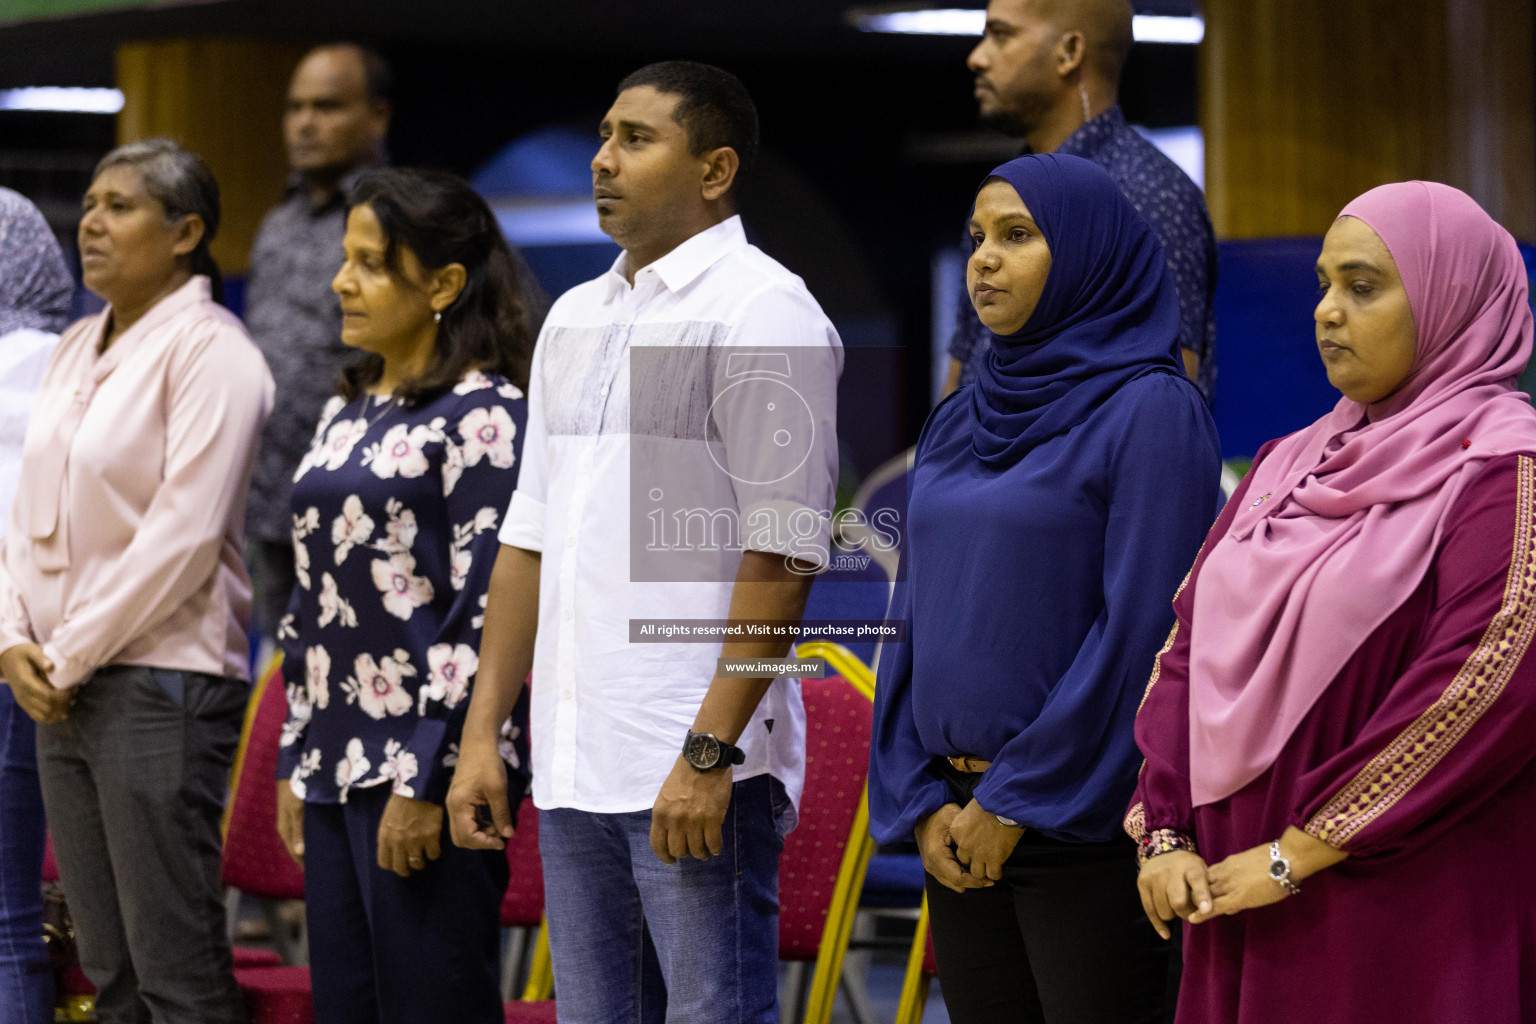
x=378 y=78
x=713 y=106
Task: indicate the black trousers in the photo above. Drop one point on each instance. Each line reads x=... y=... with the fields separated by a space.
x=1061 y=939
x=390 y=950
x=133 y=782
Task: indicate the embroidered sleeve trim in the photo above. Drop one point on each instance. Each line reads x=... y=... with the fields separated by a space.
x=1161 y=841
x=1391 y=774
x=1135 y=823
x=1157 y=662
x=1157 y=665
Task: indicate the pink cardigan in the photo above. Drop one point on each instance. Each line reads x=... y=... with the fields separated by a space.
x=125 y=540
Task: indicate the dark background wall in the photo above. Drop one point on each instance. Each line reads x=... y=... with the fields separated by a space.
x=871 y=146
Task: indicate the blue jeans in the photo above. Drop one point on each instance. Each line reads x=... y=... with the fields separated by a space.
x=26 y=986
x=635 y=941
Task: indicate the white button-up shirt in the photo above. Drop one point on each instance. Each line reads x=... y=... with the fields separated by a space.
x=608 y=714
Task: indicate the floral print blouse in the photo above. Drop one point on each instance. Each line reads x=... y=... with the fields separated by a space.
x=395 y=519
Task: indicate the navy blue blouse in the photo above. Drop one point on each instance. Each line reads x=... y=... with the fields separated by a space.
x=1036 y=597
x=395 y=517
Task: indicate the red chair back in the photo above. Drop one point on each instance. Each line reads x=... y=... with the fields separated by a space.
x=930 y=961
x=837 y=728
x=255 y=860
x=523 y=904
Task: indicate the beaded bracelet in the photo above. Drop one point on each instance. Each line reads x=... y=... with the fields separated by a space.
x=1164 y=840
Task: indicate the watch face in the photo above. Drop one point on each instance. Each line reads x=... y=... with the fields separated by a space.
x=703 y=751
x=1277 y=870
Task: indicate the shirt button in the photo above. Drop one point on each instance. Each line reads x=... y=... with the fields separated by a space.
x=566 y=694
x=603 y=391
x=570 y=542
x=569 y=615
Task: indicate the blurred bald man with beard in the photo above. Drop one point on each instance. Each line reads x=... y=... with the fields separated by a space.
x=1048 y=73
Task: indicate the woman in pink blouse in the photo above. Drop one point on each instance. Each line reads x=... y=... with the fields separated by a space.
x=1340 y=778
x=123 y=595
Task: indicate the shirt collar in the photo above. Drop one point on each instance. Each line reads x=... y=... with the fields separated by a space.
x=296 y=185
x=196 y=291
x=683 y=265
x=1091 y=136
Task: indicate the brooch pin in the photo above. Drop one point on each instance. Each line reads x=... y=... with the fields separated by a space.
x=1259 y=500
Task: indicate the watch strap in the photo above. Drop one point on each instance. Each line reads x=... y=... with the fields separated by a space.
x=730 y=754
x=1280 y=870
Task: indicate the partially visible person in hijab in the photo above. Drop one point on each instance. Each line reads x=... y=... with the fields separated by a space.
x=1340 y=780
x=35 y=286
x=35 y=292
x=1053 y=508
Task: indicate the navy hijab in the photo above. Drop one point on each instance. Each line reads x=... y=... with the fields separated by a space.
x=1109 y=312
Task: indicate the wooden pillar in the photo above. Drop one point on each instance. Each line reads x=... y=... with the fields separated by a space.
x=223 y=99
x=1307 y=103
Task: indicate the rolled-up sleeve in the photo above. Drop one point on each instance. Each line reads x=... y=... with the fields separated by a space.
x=523 y=526
x=780 y=439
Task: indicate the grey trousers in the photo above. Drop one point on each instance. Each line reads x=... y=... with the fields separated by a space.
x=133 y=785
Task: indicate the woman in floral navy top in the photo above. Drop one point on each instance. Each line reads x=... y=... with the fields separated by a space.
x=395 y=516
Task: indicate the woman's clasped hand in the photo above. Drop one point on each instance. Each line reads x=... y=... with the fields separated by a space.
x=935 y=846
x=25 y=667
x=1179 y=884
x=965 y=848
x=982 y=843
x=1174 y=885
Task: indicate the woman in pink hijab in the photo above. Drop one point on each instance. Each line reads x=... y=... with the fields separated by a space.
x=1339 y=796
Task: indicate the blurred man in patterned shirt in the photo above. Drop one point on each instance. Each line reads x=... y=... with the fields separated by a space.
x=334 y=127
x=1048 y=72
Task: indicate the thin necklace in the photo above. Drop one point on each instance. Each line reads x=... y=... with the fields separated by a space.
x=393 y=403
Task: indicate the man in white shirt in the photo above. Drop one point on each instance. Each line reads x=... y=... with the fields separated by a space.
x=679 y=466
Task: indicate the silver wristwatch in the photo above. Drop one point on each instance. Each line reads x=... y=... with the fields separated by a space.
x=1280 y=869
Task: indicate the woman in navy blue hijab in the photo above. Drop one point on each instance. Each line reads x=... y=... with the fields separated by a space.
x=1054 y=506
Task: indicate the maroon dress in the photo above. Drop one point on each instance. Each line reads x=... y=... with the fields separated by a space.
x=1419 y=760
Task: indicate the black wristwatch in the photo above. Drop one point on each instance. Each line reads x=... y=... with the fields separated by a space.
x=705 y=753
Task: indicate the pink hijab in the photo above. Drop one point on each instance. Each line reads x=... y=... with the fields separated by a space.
x=1342 y=519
